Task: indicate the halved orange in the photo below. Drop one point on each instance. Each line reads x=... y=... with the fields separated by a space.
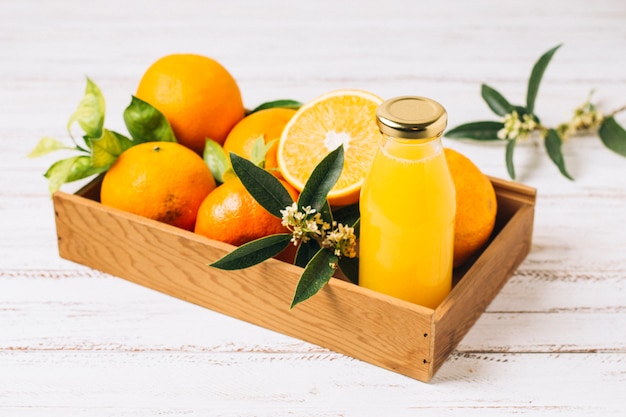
x=345 y=117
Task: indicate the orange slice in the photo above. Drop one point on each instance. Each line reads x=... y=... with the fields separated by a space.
x=345 y=117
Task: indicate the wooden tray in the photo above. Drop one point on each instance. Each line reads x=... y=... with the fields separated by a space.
x=378 y=329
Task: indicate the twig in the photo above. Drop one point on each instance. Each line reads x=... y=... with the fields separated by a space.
x=621 y=109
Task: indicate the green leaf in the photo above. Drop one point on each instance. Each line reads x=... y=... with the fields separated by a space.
x=216 y=159
x=347 y=214
x=288 y=104
x=496 y=101
x=350 y=268
x=535 y=78
x=266 y=189
x=326 y=212
x=147 y=124
x=305 y=252
x=508 y=156
x=68 y=170
x=106 y=149
x=357 y=227
x=483 y=130
x=322 y=180
x=90 y=112
x=613 y=135
x=254 y=252
x=316 y=274
x=260 y=149
x=553 y=143
x=47 y=145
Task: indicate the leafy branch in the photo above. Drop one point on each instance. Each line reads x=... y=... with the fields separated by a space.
x=100 y=147
x=324 y=243
x=519 y=122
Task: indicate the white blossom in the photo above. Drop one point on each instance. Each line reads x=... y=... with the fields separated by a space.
x=516 y=128
x=306 y=224
x=586 y=117
x=341 y=240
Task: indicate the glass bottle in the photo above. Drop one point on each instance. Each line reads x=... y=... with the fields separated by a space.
x=408 y=205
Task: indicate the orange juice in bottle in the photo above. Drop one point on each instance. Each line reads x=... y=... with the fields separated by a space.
x=408 y=206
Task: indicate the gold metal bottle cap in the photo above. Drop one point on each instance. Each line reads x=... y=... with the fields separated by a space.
x=411 y=117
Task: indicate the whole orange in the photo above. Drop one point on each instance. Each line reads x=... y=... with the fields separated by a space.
x=268 y=123
x=230 y=214
x=196 y=94
x=163 y=181
x=476 y=207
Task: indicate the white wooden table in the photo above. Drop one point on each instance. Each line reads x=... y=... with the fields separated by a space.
x=77 y=342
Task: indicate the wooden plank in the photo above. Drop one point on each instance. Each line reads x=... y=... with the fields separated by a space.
x=89 y=310
x=260 y=384
x=373 y=327
x=484 y=279
x=528 y=291
x=382 y=330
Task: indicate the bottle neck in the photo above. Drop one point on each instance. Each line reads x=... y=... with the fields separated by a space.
x=411 y=149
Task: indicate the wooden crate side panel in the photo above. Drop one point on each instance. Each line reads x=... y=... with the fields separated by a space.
x=381 y=330
x=482 y=282
x=512 y=195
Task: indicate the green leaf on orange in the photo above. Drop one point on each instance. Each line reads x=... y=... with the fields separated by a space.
x=146 y=123
x=106 y=149
x=216 y=159
x=265 y=188
x=285 y=103
x=322 y=180
x=260 y=149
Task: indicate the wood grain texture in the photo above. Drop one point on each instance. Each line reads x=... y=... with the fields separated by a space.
x=175 y=262
x=396 y=335
x=79 y=342
x=179 y=383
x=485 y=277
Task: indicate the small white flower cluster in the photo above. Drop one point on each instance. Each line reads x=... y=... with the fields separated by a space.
x=302 y=224
x=342 y=240
x=308 y=224
x=586 y=117
x=516 y=128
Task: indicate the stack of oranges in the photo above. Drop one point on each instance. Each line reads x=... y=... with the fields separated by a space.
x=170 y=182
